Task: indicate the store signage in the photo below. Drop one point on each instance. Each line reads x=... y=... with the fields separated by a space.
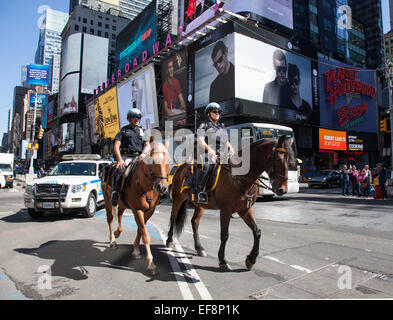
x=355 y=143
x=332 y=140
x=343 y=81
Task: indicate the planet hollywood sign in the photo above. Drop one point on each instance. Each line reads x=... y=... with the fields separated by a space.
x=136 y=61
x=342 y=81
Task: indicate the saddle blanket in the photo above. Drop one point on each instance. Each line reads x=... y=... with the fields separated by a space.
x=189 y=182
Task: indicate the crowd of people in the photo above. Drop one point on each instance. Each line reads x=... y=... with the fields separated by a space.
x=365 y=182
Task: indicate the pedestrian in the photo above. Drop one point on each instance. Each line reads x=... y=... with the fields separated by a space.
x=382 y=179
x=344 y=176
x=367 y=181
x=353 y=176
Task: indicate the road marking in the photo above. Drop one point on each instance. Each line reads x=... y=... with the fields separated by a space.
x=300 y=268
x=273 y=259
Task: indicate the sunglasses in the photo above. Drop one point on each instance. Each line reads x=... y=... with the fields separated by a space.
x=281 y=69
x=295 y=81
x=219 y=60
x=136 y=117
x=216 y=111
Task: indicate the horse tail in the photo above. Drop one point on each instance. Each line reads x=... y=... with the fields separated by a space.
x=180 y=219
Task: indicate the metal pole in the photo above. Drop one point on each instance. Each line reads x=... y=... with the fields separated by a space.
x=389 y=76
x=31 y=169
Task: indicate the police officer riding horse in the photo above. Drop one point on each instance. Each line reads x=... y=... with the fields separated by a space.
x=129 y=144
x=213 y=139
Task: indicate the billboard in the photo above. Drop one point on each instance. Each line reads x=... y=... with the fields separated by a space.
x=37 y=74
x=67 y=143
x=92 y=123
x=23 y=149
x=42 y=100
x=94 y=62
x=69 y=93
x=50 y=111
x=197 y=12
x=70 y=54
x=139 y=92
x=137 y=39
x=106 y=114
x=174 y=87
x=332 y=140
x=347 y=97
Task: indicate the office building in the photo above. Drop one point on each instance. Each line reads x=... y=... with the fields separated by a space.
x=49 y=44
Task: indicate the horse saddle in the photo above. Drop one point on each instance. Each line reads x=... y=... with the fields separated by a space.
x=211 y=179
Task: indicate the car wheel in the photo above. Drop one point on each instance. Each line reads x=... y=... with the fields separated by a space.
x=35 y=214
x=91 y=206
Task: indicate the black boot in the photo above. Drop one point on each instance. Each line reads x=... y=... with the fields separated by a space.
x=201 y=195
x=115 y=188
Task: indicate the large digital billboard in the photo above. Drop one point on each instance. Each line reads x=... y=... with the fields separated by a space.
x=197 y=12
x=106 y=114
x=174 y=87
x=70 y=54
x=137 y=39
x=94 y=62
x=37 y=74
x=69 y=94
x=347 y=97
x=42 y=100
x=332 y=140
x=139 y=92
x=67 y=143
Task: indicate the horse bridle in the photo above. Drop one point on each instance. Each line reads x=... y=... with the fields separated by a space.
x=272 y=172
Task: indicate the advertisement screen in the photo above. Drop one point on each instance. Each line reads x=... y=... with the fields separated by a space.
x=215 y=72
x=94 y=63
x=23 y=149
x=197 y=12
x=67 y=137
x=139 y=36
x=174 y=87
x=332 y=140
x=50 y=111
x=139 y=92
x=69 y=93
x=92 y=123
x=42 y=100
x=70 y=54
x=37 y=75
x=347 y=97
x=106 y=114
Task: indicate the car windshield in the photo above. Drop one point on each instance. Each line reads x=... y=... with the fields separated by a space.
x=74 y=169
x=5 y=167
x=322 y=173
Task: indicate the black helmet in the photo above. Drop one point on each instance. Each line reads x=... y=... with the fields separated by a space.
x=212 y=106
x=134 y=112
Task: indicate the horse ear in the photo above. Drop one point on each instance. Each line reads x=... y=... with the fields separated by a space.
x=281 y=140
x=151 y=139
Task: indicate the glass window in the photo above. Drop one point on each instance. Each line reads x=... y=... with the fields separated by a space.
x=84 y=20
x=76 y=27
x=106 y=26
x=114 y=28
x=83 y=29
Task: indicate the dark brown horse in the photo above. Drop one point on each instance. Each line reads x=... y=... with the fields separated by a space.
x=148 y=183
x=234 y=194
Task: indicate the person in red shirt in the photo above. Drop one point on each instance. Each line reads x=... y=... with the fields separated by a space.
x=173 y=98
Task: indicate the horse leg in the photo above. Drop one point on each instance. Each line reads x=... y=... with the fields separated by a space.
x=111 y=213
x=249 y=219
x=136 y=254
x=139 y=217
x=198 y=212
x=119 y=229
x=225 y=217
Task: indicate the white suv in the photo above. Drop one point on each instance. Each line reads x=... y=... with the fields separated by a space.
x=71 y=185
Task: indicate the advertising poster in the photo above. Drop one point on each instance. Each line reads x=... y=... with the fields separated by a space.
x=215 y=72
x=174 y=88
x=139 y=92
x=37 y=75
x=70 y=61
x=106 y=114
x=197 y=12
x=347 y=97
x=92 y=123
x=67 y=137
x=137 y=39
x=69 y=93
x=332 y=140
x=42 y=100
x=94 y=62
x=50 y=111
x=267 y=74
x=23 y=149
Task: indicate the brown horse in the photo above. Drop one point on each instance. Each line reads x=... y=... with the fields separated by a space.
x=148 y=183
x=234 y=194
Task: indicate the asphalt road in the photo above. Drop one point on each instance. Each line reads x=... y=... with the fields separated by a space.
x=315 y=245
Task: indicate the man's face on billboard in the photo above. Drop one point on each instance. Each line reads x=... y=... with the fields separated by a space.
x=170 y=69
x=220 y=61
x=281 y=71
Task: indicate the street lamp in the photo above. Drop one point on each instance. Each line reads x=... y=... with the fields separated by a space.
x=389 y=76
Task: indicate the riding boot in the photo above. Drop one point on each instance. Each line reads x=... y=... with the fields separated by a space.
x=201 y=195
x=116 y=187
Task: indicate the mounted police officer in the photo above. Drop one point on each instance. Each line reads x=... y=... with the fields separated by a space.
x=130 y=142
x=213 y=138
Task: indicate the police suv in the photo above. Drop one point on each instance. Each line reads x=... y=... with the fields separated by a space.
x=73 y=184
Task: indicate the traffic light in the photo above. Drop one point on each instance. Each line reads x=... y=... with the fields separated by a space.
x=382 y=125
x=40 y=133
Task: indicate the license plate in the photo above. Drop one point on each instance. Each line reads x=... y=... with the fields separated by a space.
x=48 y=205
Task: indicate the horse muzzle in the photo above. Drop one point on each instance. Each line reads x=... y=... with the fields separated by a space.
x=281 y=191
x=162 y=188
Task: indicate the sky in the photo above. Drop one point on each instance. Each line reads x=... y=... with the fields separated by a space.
x=19 y=40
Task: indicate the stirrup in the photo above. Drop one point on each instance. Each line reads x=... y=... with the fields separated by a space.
x=115 y=198
x=202 y=197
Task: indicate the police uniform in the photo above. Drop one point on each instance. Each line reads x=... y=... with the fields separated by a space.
x=216 y=138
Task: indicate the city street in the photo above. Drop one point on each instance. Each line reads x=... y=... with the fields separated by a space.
x=315 y=244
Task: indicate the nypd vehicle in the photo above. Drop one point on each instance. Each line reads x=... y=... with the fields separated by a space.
x=73 y=184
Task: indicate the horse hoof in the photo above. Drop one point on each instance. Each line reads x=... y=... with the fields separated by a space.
x=113 y=245
x=117 y=234
x=202 y=253
x=249 y=264
x=136 y=256
x=225 y=267
x=152 y=271
x=169 y=244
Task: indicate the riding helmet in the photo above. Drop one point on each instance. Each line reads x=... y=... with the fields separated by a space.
x=212 y=106
x=134 y=112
